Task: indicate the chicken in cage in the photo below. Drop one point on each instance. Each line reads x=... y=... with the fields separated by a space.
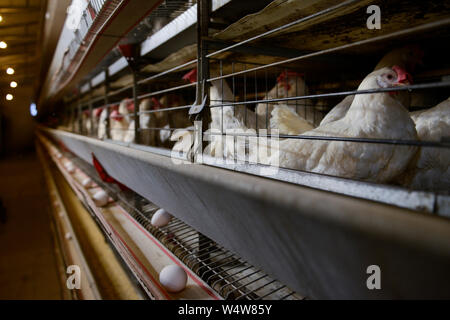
x=288 y=145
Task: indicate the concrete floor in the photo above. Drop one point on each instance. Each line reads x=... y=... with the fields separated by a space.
x=28 y=265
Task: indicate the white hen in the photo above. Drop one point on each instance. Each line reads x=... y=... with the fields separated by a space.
x=406 y=58
x=120 y=121
x=86 y=122
x=370 y=116
x=226 y=119
x=289 y=84
x=101 y=133
x=129 y=134
x=223 y=119
x=147 y=121
x=430 y=169
x=287 y=121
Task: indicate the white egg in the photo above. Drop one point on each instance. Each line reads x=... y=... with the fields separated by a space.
x=161 y=218
x=59 y=155
x=173 y=278
x=70 y=167
x=68 y=236
x=87 y=182
x=100 y=198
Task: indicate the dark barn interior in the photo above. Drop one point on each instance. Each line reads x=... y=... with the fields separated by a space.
x=224 y=149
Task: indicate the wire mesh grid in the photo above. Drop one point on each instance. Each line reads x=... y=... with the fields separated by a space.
x=171 y=8
x=229 y=275
x=242 y=95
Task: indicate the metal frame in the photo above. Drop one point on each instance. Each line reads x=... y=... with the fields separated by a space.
x=287 y=230
x=203 y=104
x=213 y=263
x=196 y=186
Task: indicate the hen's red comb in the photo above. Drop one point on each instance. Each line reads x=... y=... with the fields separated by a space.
x=191 y=76
x=130 y=105
x=288 y=75
x=156 y=104
x=97 y=112
x=285 y=76
x=402 y=75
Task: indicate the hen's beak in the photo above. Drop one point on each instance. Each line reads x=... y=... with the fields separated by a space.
x=401 y=84
x=403 y=77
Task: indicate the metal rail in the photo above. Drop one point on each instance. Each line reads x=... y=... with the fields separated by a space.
x=259 y=87
x=395 y=34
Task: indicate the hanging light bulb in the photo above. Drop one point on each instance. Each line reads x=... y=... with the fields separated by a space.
x=13 y=84
x=9 y=97
x=1 y=18
x=3 y=45
x=10 y=71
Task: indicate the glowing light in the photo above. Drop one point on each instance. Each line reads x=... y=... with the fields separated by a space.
x=3 y=45
x=13 y=84
x=9 y=97
x=1 y=18
x=10 y=71
x=33 y=110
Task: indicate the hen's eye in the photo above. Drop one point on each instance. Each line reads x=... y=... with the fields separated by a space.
x=390 y=76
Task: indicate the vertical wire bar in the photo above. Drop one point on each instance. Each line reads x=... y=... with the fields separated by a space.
x=267 y=104
x=296 y=93
x=221 y=110
x=305 y=104
x=203 y=16
x=245 y=95
x=256 y=97
x=310 y=106
x=91 y=112
x=79 y=114
x=234 y=112
x=286 y=84
x=108 y=109
x=137 y=122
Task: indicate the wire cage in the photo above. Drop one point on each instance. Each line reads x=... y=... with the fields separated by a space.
x=297 y=83
x=249 y=90
x=228 y=274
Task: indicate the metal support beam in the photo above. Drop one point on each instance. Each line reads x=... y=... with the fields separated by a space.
x=91 y=112
x=203 y=12
x=80 y=113
x=202 y=98
x=204 y=117
x=137 y=122
x=106 y=98
x=271 y=51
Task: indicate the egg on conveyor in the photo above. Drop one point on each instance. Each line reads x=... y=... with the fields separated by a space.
x=70 y=167
x=87 y=182
x=173 y=278
x=161 y=218
x=100 y=198
x=58 y=155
